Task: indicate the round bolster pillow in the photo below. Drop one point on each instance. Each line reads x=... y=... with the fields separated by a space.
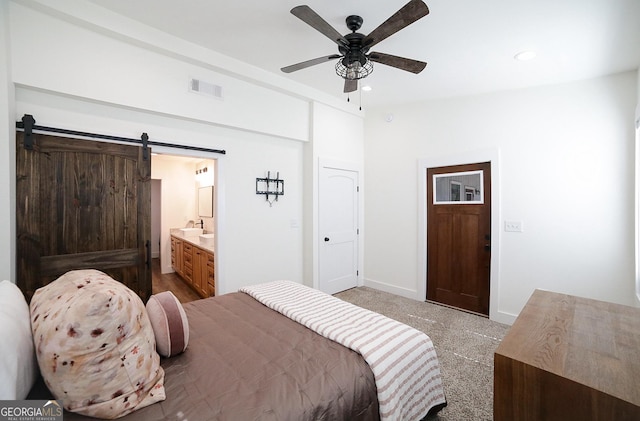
x=169 y=323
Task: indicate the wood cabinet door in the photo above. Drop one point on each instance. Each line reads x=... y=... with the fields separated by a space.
x=82 y=204
x=202 y=274
x=177 y=255
x=199 y=281
x=187 y=262
x=211 y=284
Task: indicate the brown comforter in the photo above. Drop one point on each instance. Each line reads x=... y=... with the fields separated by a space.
x=247 y=362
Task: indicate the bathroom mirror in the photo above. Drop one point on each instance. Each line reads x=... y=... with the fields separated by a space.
x=205 y=202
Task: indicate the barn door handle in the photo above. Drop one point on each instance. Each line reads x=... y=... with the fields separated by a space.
x=326 y=238
x=148 y=246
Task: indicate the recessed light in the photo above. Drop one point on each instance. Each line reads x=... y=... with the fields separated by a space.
x=366 y=88
x=525 y=55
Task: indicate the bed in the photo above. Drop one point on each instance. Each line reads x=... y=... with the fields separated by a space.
x=246 y=361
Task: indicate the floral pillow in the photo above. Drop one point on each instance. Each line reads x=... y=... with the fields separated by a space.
x=95 y=345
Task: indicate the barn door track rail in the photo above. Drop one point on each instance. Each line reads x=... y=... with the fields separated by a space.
x=28 y=124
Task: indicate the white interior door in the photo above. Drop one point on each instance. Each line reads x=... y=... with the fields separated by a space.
x=338 y=229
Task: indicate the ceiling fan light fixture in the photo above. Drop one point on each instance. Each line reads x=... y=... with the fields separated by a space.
x=355 y=70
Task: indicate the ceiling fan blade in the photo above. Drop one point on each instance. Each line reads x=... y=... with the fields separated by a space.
x=404 y=17
x=350 y=85
x=413 y=66
x=307 y=15
x=309 y=63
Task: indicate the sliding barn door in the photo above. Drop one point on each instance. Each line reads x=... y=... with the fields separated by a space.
x=82 y=204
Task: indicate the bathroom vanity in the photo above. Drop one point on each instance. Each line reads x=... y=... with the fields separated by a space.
x=192 y=257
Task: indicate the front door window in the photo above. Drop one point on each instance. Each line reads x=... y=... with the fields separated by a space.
x=458 y=188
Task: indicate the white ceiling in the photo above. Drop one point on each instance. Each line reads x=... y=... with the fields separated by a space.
x=468 y=44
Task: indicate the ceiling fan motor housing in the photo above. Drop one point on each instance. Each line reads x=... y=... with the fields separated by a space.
x=356 y=51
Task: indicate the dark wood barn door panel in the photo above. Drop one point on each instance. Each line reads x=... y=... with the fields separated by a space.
x=82 y=204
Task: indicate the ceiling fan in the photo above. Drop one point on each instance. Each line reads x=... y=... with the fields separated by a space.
x=355 y=59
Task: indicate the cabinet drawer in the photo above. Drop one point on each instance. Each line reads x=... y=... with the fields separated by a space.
x=210 y=259
x=188 y=248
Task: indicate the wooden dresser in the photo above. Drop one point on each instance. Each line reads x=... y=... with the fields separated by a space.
x=569 y=358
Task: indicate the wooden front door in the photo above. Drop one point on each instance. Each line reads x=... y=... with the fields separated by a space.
x=458 y=236
x=82 y=204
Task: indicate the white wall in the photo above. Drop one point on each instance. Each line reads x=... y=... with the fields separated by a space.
x=256 y=243
x=566 y=154
x=178 y=204
x=637 y=187
x=83 y=62
x=100 y=78
x=638 y=90
x=7 y=152
x=338 y=136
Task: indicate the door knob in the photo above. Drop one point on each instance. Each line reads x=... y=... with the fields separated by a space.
x=326 y=238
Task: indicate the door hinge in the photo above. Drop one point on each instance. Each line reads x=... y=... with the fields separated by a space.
x=358 y=189
x=358 y=231
x=357 y=272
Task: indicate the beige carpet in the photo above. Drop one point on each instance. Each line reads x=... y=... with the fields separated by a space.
x=464 y=342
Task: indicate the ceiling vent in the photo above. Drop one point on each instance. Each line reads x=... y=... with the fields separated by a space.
x=205 y=88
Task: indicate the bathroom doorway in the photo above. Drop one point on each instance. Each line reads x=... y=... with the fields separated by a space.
x=176 y=181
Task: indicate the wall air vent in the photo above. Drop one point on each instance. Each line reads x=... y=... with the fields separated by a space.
x=205 y=88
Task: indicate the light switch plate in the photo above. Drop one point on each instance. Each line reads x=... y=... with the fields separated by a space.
x=513 y=226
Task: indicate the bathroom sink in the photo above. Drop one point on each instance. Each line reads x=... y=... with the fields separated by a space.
x=207 y=238
x=191 y=232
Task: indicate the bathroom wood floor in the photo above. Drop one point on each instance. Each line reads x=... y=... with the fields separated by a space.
x=170 y=282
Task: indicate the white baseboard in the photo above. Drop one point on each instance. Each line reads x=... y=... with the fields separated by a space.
x=505 y=318
x=500 y=316
x=392 y=289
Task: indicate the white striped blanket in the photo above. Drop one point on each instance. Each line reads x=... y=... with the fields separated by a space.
x=402 y=359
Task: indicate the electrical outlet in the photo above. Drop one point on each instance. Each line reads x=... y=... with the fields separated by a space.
x=513 y=226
